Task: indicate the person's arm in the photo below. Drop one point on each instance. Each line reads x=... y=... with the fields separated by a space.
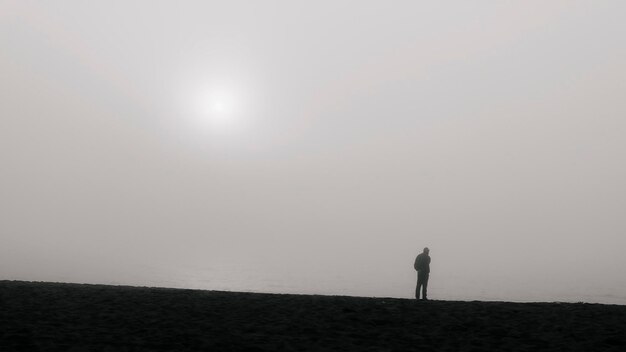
x=415 y=265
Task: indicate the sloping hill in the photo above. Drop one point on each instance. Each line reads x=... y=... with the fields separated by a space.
x=37 y=316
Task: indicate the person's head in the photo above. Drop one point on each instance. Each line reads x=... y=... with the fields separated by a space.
x=426 y=250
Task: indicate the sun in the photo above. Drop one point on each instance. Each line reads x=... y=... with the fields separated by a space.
x=217 y=106
x=221 y=107
x=218 y=110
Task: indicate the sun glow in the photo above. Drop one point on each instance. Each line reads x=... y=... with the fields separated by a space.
x=218 y=110
x=217 y=105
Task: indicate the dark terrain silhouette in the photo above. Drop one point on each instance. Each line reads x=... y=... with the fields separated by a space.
x=36 y=316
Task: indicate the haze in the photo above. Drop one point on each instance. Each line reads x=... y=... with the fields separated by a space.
x=316 y=147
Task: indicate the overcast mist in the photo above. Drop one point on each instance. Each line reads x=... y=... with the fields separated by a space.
x=316 y=147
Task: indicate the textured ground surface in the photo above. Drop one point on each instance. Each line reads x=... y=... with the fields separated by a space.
x=70 y=317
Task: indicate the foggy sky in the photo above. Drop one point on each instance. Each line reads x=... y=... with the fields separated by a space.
x=316 y=139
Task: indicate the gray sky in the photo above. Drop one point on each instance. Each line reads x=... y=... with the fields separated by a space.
x=315 y=139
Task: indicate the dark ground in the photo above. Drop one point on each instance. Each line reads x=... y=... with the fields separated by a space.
x=72 y=317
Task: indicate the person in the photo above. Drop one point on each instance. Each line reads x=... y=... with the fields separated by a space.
x=422 y=265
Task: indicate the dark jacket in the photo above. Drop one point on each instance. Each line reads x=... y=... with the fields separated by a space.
x=422 y=263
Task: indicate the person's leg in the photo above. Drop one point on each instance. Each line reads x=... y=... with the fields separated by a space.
x=420 y=285
x=425 y=289
x=417 y=287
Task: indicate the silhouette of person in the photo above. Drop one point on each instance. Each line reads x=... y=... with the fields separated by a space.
x=422 y=265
